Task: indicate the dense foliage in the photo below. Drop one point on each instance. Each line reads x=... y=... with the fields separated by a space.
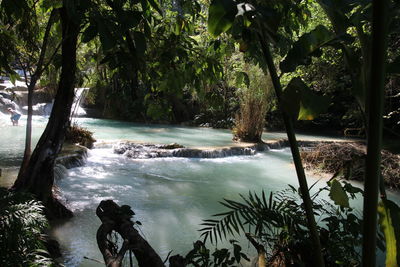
x=21 y=231
x=278 y=223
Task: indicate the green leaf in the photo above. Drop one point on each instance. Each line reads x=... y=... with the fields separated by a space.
x=311 y=105
x=338 y=195
x=14 y=77
x=221 y=16
x=155 y=5
x=307 y=44
x=299 y=101
x=242 y=77
x=389 y=216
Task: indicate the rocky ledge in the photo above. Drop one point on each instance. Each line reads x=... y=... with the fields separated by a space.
x=145 y=151
x=137 y=150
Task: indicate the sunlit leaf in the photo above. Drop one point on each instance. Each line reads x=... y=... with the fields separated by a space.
x=338 y=195
x=389 y=216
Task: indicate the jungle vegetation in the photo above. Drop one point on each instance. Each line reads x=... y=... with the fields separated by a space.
x=223 y=63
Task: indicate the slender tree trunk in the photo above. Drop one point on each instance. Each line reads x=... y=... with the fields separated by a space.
x=34 y=78
x=39 y=176
x=373 y=161
x=305 y=194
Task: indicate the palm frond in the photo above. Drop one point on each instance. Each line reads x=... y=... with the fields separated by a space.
x=260 y=214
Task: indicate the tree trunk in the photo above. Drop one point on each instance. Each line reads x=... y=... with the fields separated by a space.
x=39 y=176
x=294 y=147
x=118 y=219
x=34 y=78
x=374 y=141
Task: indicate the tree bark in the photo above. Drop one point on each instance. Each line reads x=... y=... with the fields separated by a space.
x=118 y=219
x=34 y=78
x=380 y=21
x=294 y=147
x=39 y=176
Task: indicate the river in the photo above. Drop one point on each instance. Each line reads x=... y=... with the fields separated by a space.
x=170 y=196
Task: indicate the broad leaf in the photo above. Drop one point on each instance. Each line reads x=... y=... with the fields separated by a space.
x=298 y=100
x=389 y=216
x=106 y=38
x=338 y=195
x=221 y=16
x=290 y=100
x=336 y=11
x=311 y=105
x=130 y=19
x=307 y=44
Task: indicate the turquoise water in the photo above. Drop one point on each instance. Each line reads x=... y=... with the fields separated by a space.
x=170 y=196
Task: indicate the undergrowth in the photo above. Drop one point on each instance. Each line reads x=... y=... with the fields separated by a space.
x=276 y=225
x=22 y=223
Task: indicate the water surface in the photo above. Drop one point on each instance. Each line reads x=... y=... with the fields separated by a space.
x=170 y=196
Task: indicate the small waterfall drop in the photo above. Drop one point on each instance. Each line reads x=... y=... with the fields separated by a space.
x=77 y=110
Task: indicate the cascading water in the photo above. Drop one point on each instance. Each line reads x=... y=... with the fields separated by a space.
x=77 y=110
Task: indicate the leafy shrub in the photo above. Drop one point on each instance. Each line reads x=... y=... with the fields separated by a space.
x=200 y=255
x=21 y=225
x=279 y=224
x=254 y=99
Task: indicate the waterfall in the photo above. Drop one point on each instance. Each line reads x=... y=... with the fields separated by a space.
x=77 y=110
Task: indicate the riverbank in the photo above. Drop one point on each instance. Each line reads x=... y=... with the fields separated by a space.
x=348 y=161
